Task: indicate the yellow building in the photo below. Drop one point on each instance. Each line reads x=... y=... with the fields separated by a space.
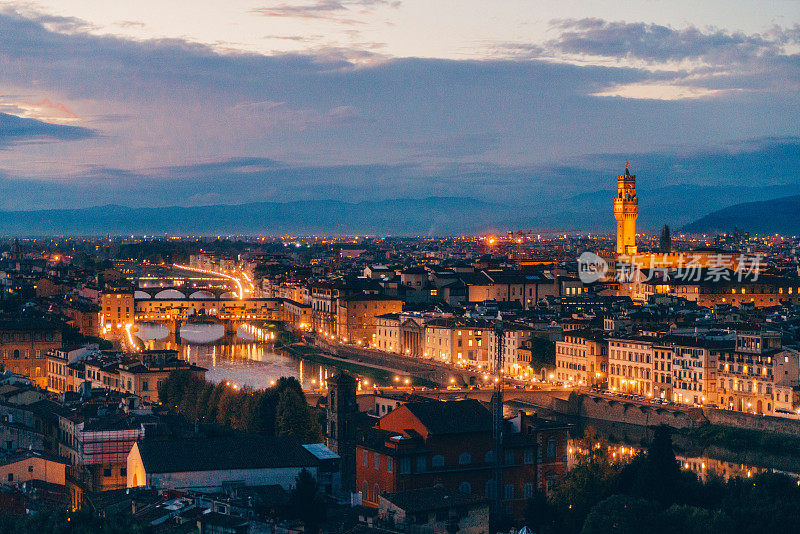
x=626 y=210
x=749 y=374
x=170 y=309
x=630 y=364
x=117 y=310
x=356 y=316
x=140 y=374
x=582 y=358
x=24 y=344
x=28 y=465
x=457 y=340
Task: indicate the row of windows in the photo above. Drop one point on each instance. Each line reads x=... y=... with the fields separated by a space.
x=438 y=461
x=570 y=365
x=26 y=336
x=630 y=371
x=641 y=357
x=25 y=353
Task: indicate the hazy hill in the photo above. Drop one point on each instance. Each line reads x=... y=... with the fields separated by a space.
x=780 y=215
x=428 y=216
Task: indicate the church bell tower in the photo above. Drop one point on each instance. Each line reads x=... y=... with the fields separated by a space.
x=626 y=209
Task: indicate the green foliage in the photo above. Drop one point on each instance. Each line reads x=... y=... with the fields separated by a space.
x=540 y=515
x=293 y=418
x=650 y=494
x=307 y=504
x=543 y=353
x=621 y=514
x=280 y=410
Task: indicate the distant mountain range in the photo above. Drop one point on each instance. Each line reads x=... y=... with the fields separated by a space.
x=780 y=215
x=428 y=216
x=589 y=211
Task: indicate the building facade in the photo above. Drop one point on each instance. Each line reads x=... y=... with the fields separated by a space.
x=582 y=358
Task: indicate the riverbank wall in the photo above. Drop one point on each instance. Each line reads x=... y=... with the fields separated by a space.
x=596 y=406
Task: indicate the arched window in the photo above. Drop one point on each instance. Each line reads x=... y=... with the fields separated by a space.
x=551 y=447
x=489 y=457
x=377 y=492
x=490 y=489
x=465 y=487
x=464 y=459
x=437 y=461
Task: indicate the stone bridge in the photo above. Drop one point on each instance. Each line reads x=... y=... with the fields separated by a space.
x=183 y=293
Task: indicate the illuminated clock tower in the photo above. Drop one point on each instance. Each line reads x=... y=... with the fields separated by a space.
x=626 y=209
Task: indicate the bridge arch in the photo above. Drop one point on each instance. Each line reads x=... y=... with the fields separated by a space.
x=169 y=294
x=139 y=294
x=228 y=295
x=202 y=294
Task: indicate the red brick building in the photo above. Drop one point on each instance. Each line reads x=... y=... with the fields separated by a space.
x=449 y=444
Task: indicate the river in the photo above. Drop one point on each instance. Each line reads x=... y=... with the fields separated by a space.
x=247 y=363
x=622 y=439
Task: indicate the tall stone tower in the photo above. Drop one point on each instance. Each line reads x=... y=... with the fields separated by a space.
x=340 y=432
x=626 y=209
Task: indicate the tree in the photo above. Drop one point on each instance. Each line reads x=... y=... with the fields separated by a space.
x=293 y=418
x=622 y=514
x=659 y=475
x=540 y=515
x=543 y=352
x=694 y=520
x=307 y=504
x=665 y=242
x=582 y=488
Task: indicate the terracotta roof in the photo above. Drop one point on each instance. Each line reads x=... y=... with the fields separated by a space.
x=454 y=417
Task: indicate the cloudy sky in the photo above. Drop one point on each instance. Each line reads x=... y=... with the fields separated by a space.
x=521 y=101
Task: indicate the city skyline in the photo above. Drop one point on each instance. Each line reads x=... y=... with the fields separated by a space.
x=528 y=105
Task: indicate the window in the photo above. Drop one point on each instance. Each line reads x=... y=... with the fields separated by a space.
x=509 y=457
x=528 y=456
x=365 y=458
x=377 y=460
x=389 y=464
x=490 y=489
x=508 y=491
x=422 y=464
x=437 y=461
x=464 y=459
x=465 y=487
x=11 y=477
x=123 y=471
x=107 y=472
x=528 y=490
x=405 y=465
x=551 y=448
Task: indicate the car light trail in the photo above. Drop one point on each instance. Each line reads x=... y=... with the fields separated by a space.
x=206 y=271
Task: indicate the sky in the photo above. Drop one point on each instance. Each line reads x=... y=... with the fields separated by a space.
x=523 y=102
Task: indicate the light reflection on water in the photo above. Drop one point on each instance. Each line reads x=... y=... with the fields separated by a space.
x=247 y=363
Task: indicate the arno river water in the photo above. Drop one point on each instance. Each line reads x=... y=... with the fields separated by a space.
x=623 y=440
x=247 y=363
x=257 y=365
